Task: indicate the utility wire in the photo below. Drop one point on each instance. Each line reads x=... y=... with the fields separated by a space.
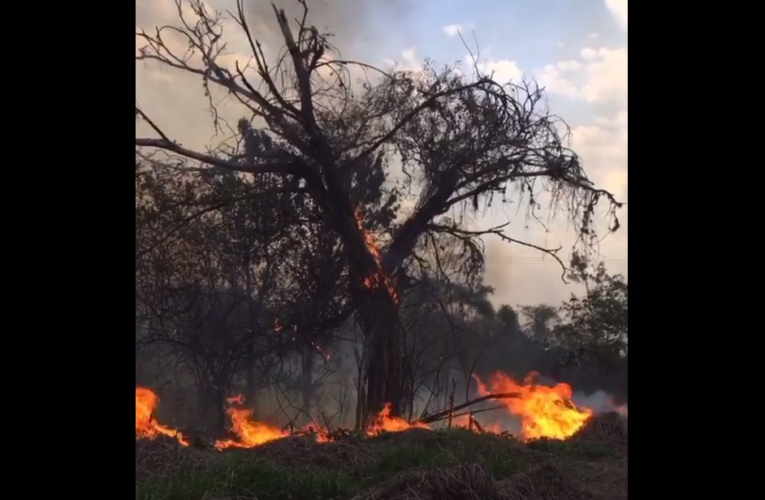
x=544 y=261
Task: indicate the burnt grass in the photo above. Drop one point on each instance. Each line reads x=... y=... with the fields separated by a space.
x=415 y=464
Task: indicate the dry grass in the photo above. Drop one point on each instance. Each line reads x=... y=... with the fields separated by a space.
x=163 y=457
x=410 y=465
x=610 y=427
x=469 y=481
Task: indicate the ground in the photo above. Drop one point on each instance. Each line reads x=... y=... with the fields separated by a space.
x=410 y=465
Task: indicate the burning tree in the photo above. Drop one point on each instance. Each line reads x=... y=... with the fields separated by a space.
x=463 y=142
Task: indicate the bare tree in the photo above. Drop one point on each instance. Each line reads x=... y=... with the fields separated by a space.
x=462 y=140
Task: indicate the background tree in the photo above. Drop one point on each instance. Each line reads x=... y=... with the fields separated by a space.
x=593 y=332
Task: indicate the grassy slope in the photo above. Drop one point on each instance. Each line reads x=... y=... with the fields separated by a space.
x=415 y=464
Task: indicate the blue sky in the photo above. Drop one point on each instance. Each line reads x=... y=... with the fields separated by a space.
x=577 y=49
x=528 y=31
x=532 y=33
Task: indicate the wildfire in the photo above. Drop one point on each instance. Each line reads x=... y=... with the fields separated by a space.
x=384 y=422
x=544 y=412
x=378 y=278
x=146 y=425
x=249 y=433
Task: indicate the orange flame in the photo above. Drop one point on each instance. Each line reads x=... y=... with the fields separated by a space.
x=384 y=422
x=248 y=432
x=545 y=412
x=378 y=278
x=146 y=426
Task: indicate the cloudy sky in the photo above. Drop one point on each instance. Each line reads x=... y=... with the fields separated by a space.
x=577 y=49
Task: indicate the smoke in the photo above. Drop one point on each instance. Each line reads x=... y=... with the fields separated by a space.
x=356 y=25
x=599 y=401
x=519 y=276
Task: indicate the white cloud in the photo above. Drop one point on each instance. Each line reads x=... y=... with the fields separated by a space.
x=452 y=30
x=504 y=70
x=600 y=76
x=569 y=65
x=409 y=54
x=597 y=78
x=593 y=36
x=588 y=53
x=408 y=61
x=603 y=149
x=618 y=9
x=607 y=76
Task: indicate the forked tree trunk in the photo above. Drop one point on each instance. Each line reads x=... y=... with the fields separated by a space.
x=378 y=315
x=375 y=306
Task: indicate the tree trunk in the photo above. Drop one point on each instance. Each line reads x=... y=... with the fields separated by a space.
x=383 y=351
x=252 y=386
x=221 y=416
x=306 y=381
x=375 y=305
x=377 y=313
x=212 y=399
x=361 y=400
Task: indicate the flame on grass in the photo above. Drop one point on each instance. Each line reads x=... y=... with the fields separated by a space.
x=146 y=426
x=544 y=412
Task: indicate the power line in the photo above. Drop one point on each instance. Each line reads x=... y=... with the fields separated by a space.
x=524 y=258
x=544 y=261
x=550 y=264
x=543 y=258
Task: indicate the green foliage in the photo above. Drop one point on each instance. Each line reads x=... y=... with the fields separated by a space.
x=597 y=323
x=541 y=319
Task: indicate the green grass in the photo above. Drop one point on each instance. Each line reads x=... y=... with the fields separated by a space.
x=340 y=471
x=248 y=478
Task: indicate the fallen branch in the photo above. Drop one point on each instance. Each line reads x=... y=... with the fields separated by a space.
x=445 y=414
x=475 y=412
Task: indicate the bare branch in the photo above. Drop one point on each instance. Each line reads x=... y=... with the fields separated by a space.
x=264 y=168
x=499 y=232
x=435 y=417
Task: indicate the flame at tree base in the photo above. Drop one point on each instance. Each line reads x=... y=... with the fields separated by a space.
x=544 y=412
x=146 y=426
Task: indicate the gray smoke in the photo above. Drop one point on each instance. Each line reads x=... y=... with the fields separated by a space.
x=599 y=402
x=356 y=25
